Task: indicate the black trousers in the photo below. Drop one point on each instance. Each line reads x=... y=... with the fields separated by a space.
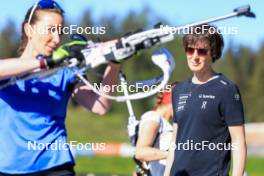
x=63 y=170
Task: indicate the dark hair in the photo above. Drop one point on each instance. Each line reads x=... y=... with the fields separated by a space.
x=34 y=19
x=205 y=33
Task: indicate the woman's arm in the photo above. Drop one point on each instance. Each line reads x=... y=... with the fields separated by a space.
x=170 y=158
x=239 y=151
x=144 y=148
x=16 y=66
x=90 y=100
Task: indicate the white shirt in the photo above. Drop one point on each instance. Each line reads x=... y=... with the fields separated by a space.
x=162 y=141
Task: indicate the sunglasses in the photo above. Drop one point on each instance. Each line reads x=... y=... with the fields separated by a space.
x=200 y=51
x=44 y=4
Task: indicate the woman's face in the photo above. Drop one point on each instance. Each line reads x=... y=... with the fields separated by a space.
x=46 y=33
x=199 y=57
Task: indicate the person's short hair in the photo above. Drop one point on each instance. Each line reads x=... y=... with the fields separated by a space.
x=205 y=33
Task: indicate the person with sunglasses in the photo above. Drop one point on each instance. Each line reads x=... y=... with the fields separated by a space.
x=155 y=132
x=207 y=113
x=33 y=112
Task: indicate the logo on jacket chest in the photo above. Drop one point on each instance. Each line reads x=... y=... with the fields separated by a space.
x=206 y=96
x=182 y=102
x=205 y=99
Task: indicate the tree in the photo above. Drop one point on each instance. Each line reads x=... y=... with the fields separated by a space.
x=9 y=40
x=255 y=93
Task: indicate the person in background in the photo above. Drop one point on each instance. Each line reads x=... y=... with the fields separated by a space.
x=155 y=134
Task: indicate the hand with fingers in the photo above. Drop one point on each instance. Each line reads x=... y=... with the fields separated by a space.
x=68 y=51
x=87 y=53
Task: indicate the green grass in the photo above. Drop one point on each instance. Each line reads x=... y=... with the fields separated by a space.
x=86 y=127
x=125 y=166
x=255 y=166
x=104 y=165
x=83 y=126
